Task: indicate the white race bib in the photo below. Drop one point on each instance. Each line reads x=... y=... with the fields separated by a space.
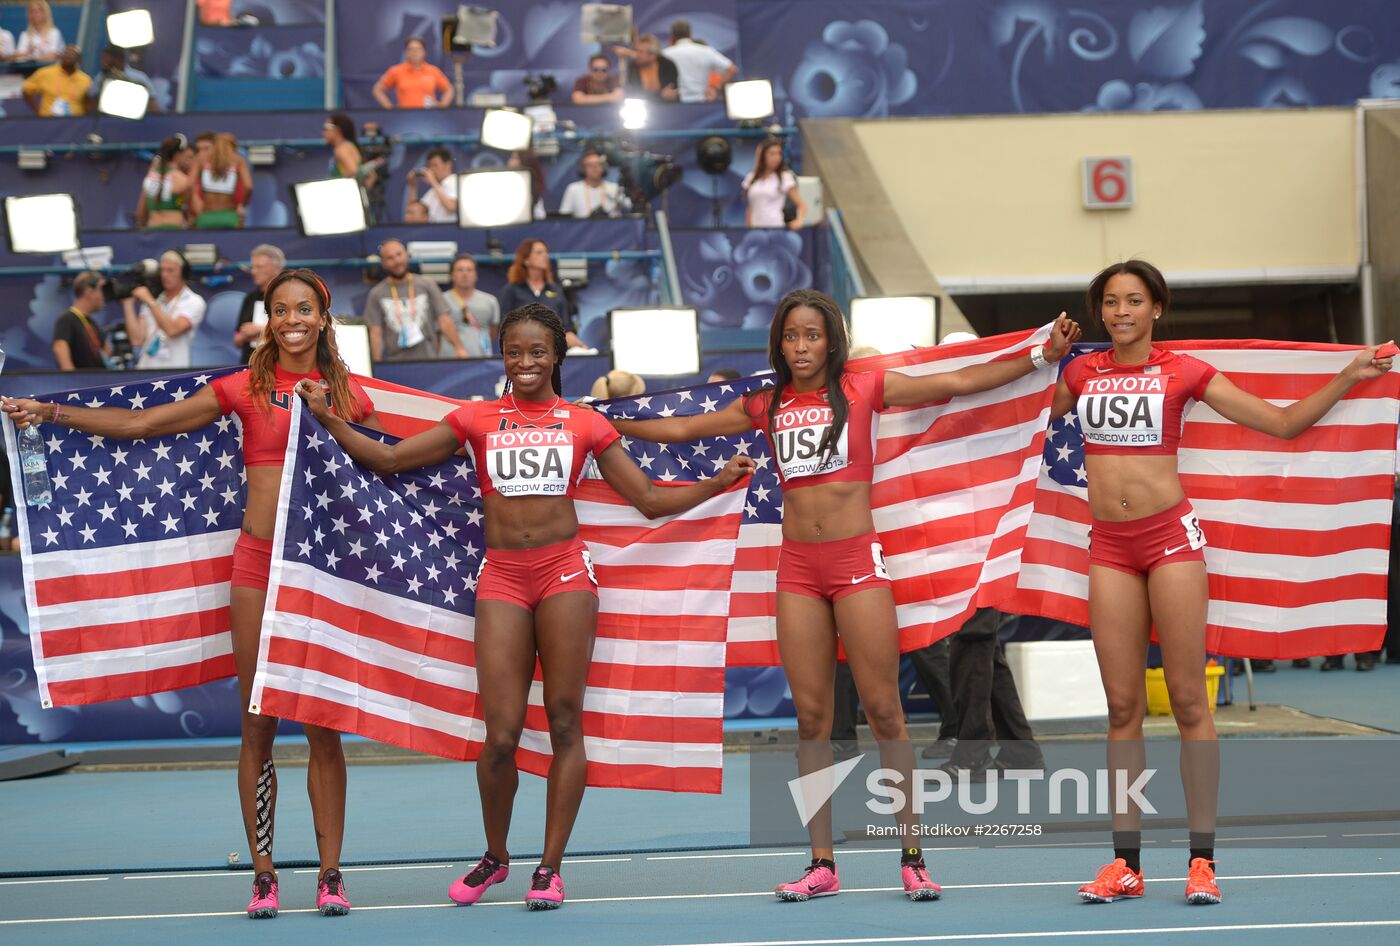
x=797 y=437
x=1123 y=410
x=525 y=461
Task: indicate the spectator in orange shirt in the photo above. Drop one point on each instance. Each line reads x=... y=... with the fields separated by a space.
x=416 y=82
x=215 y=12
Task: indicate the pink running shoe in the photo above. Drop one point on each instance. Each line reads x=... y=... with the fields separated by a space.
x=818 y=880
x=917 y=885
x=468 y=889
x=546 y=890
x=330 y=894
x=263 y=906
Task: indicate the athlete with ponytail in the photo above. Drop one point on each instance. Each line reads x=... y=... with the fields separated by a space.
x=297 y=344
x=820 y=421
x=536 y=597
x=1147 y=568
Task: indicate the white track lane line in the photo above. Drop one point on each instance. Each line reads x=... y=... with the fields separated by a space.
x=1262 y=837
x=1057 y=934
x=769 y=893
x=53 y=880
x=347 y=870
x=843 y=853
x=194 y=873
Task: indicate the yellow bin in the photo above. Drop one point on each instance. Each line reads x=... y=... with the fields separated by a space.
x=1160 y=704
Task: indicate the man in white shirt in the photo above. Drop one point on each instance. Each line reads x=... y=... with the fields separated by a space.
x=441 y=196
x=162 y=331
x=593 y=196
x=694 y=63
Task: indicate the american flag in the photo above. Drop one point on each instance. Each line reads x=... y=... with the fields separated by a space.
x=371 y=608
x=127 y=574
x=126 y=570
x=953 y=481
x=1298 y=531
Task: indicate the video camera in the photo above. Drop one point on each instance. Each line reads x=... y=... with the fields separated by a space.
x=375 y=149
x=540 y=87
x=145 y=273
x=641 y=174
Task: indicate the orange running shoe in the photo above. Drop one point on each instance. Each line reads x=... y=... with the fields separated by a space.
x=1200 y=882
x=1114 y=882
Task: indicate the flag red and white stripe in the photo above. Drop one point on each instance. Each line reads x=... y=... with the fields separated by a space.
x=1298 y=531
x=952 y=480
x=151 y=619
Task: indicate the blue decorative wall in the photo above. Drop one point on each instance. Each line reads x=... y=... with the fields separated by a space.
x=903 y=57
x=278 y=52
x=921 y=57
x=532 y=37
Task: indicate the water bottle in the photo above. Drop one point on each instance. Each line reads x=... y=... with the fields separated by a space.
x=33 y=462
x=7 y=527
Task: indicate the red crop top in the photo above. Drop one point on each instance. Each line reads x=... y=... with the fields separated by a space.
x=1135 y=409
x=802 y=421
x=529 y=448
x=264 y=433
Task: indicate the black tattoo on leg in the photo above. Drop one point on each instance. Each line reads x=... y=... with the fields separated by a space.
x=266 y=780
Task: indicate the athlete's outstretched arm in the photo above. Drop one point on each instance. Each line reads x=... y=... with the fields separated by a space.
x=623 y=475
x=1288 y=422
x=431 y=446
x=722 y=423
x=1064 y=400
x=902 y=390
x=178 y=417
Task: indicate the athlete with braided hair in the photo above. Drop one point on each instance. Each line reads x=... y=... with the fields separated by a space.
x=536 y=597
x=820 y=420
x=297 y=344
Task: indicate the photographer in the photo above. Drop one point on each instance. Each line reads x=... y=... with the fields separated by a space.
x=441 y=196
x=593 y=196
x=114 y=66
x=162 y=331
x=77 y=344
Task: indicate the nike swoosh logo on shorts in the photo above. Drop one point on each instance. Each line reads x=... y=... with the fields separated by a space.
x=856 y=581
x=1177 y=549
x=570 y=577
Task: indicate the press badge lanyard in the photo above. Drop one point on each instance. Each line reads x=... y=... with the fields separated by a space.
x=466 y=313
x=398 y=310
x=91 y=329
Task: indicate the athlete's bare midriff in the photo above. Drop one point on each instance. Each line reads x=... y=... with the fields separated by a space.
x=1123 y=488
x=264 y=488
x=826 y=512
x=528 y=522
